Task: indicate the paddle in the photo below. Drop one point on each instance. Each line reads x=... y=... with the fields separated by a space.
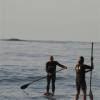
x=91 y=94
x=26 y=85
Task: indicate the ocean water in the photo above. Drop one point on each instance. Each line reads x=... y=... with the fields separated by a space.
x=22 y=62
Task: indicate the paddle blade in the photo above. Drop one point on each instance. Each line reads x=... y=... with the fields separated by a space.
x=24 y=86
x=91 y=95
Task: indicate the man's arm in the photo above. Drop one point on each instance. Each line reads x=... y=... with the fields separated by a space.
x=46 y=67
x=88 y=68
x=60 y=65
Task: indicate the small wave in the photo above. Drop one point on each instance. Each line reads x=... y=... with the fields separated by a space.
x=8 y=65
x=13 y=80
x=60 y=78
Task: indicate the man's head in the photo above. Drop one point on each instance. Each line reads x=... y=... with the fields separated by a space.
x=81 y=60
x=51 y=58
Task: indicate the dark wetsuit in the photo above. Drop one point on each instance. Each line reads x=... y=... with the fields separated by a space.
x=80 y=76
x=51 y=68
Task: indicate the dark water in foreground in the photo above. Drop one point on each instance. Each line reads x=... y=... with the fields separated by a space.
x=22 y=62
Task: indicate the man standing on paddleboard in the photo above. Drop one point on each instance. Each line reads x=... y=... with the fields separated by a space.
x=51 y=74
x=81 y=69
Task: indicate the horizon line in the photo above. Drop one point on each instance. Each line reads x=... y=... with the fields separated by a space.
x=18 y=39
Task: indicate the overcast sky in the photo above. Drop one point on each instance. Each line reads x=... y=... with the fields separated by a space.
x=74 y=20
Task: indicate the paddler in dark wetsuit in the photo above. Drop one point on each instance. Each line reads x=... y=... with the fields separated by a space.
x=51 y=73
x=81 y=69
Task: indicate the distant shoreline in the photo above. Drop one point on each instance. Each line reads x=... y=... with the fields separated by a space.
x=12 y=39
x=15 y=39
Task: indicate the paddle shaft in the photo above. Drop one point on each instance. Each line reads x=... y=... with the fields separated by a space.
x=43 y=77
x=91 y=95
x=91 y=65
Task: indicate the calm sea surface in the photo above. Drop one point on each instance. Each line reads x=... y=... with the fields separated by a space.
x=22 y=62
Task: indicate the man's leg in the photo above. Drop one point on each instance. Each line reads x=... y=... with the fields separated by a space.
x=53 y=84
x=77 y=95
x=48 y=83
x=78 y=91
x=84 y=92
x=84 y=88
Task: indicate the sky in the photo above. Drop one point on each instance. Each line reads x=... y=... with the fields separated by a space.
x=58 y=20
